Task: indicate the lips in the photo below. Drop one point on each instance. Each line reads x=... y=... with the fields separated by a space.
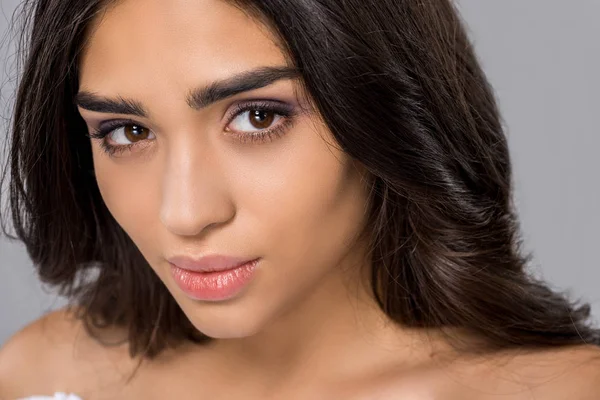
x=209 y=263
x=220 y=285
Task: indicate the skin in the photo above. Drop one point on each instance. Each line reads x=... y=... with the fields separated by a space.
x=307 y=327
x=192 y=188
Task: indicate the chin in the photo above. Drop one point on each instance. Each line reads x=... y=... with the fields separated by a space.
x=225 y=332
x=220 y=321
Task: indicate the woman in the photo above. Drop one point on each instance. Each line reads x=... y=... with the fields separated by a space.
x=275 y=199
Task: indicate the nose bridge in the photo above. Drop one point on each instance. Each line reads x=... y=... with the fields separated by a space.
x=192 y=193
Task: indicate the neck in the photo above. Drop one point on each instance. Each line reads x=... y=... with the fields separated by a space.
x=337 y=331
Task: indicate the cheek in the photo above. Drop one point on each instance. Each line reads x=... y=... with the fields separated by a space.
x=308 y=204
x=128 y=195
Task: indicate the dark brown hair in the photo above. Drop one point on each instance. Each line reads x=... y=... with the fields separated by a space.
x=400 y=88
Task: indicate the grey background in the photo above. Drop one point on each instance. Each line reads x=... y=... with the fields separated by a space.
x=543 y=59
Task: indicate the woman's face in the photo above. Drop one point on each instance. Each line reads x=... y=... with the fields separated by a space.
x=198 y=179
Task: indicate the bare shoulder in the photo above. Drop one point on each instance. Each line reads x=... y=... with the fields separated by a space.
x=37 y=350
x=55 y=353
x=566 y=373
x=571 y=372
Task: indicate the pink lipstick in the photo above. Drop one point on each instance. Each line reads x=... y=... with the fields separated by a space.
x=212 y=278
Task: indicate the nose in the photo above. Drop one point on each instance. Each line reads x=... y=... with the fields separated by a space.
x=194 y=192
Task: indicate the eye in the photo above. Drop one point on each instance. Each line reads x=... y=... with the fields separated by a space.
x=129 y=133
x=253 y=122
x=124 y=134
x=260 y=121
x=255 y=119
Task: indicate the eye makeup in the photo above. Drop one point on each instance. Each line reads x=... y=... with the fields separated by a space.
x=286 y=114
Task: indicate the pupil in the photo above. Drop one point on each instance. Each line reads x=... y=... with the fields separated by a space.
x=134 y=132
x=260 y=115
x=262 y=119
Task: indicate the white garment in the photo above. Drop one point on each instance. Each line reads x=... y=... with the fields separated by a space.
x=57 y=396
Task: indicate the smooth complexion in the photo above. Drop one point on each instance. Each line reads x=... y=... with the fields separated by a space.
x=192 y=182
x=195 y=177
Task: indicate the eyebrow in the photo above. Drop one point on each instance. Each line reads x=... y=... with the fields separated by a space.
x=197 y=98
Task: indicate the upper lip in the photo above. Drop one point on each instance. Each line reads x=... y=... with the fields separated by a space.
x=209 y=263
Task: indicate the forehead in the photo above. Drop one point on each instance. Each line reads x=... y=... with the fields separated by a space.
x=174 y=44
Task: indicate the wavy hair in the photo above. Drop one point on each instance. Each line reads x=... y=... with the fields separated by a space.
x=402 y=91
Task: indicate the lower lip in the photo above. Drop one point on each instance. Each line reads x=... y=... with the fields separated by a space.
x=214 y=286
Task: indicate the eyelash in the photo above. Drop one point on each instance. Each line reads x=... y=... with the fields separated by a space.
x=265 y=135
